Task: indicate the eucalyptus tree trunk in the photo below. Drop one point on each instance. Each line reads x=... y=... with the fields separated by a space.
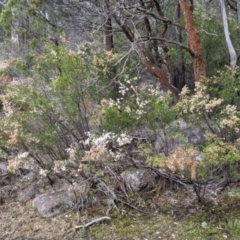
x=231 y=50
x=194 y=39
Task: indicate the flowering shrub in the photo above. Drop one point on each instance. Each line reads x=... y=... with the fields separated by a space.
x=48 y=111
x=226 y=86
x=222 y=155
x=98 y=144
x=55 y=116
x=181 y=161
x=144 y=106
x=211 y=107
x=19 y=161
x=215 y=107
x=200 y=105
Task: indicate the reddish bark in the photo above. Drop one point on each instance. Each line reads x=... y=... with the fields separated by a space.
x=194 y=39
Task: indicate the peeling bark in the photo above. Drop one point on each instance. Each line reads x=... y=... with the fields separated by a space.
x=194 y=39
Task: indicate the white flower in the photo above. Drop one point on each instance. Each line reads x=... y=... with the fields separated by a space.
x=42 y=172
x=23 y=155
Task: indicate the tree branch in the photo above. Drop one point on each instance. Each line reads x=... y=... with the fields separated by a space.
x=164 y=19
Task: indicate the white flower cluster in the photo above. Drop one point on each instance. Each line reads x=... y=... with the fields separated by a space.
x=231 y=119
x=198 y=103
x=60 y=166
x=71 y=152
x=106 y=137
x=126 y=85
x=123 y=89
x=141 y=102
x=141 y=98
x=20 y=161
x=23 y=155
x=43 y=172
x=123 y=139
x=212 y=104
x=98 y=145
x=155 y=91
x=13 y=165
x=101 y=140
x=111 y=103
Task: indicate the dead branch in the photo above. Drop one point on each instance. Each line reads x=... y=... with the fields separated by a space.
x=97 y=220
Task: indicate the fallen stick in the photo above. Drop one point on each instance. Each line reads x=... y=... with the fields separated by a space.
x=98 y=220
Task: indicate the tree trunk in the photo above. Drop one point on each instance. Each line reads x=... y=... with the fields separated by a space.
x=194 y=39
x=231 y=50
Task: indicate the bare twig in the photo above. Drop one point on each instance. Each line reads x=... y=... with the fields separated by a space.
x=97 y=220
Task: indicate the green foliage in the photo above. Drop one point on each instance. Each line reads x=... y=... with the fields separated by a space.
x=50 y=109
x=11 y=10
x=213 y=43
x=116 y=120
x=144 y=107
x=160 y=112
x=221 y=155
x=25 y=20
x=214 y=105
x=226 y=86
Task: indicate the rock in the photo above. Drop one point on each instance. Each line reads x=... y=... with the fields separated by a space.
x=51 y=204
x=165 y=145
x=21 y=172
x=139 y=179
x=191 y=134
x=3 y=168
x=30 y=177
x=194 y=136
x=27 y=194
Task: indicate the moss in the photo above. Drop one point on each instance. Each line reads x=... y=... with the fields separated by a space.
x=176 y=222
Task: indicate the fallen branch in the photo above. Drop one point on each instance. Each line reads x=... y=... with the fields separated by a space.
x=98 y=220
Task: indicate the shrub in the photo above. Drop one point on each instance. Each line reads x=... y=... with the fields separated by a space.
x=142 y=107
x=214 y=106
x=49 y=110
